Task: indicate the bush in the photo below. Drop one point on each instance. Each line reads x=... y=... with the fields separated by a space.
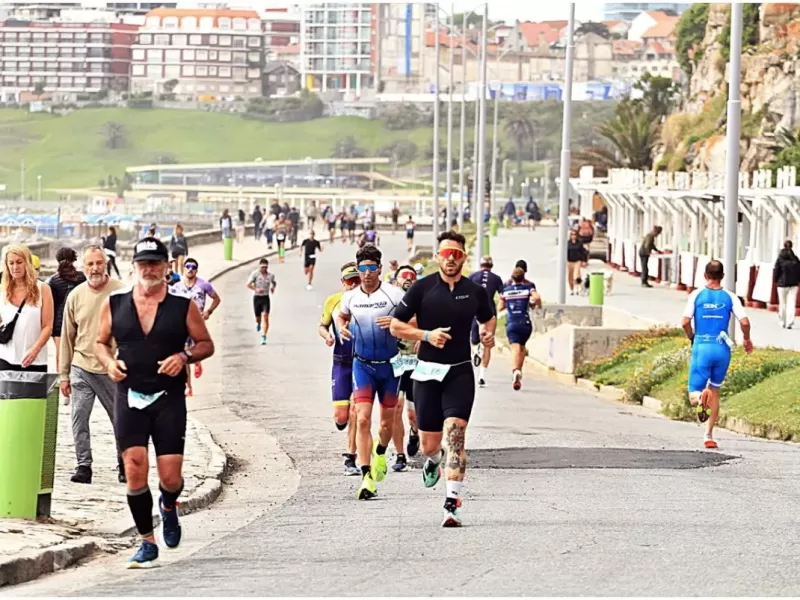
x=140 y=103
x=661 y=369
x=629 y=346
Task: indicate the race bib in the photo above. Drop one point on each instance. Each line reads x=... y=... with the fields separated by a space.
x=141 y=401
x=402 y=363
x=312 y=256
x=428 y=371
x=281 y=236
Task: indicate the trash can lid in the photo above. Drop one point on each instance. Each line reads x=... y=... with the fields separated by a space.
x=15 y=385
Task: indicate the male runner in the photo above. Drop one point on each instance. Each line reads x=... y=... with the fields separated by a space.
x=370 y=236
x=404 y=277
x=309 y=249
x=150 y=326
x=369 y=309
x=711 y=308
x=410 y=227
x=263 y=283
x=294 y=223
x=344 y=413
x=281 y=233
x=444 y=384
x=331 y=216
x=198 y=290
x=493 y=285
x=517 y=298
x=351 y=224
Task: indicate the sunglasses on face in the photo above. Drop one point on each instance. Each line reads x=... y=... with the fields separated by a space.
x=453 y=253
x=406 y=275
x=352 y=279
x=368 y=268
x=190 y=267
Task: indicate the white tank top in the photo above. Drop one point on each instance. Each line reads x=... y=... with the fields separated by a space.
x=26 y=332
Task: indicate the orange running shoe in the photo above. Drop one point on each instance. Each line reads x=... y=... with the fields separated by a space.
x=710 y=444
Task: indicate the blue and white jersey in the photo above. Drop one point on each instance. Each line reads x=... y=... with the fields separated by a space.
x=711 y=310
x=371 y=341
x=517 y=297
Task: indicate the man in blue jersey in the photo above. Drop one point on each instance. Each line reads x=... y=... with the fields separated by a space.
x=368 y=310
x=518 y=297
x=493 y=285
x=711 y=308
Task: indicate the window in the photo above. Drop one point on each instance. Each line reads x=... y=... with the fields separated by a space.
x=239 y=89
x=137 y=70
x=225 y=56
x=239 y=42
x=207 y=23
x=213 y=40
x=161 y=39
x=254 y=57
x=254 y=24
x=145 y=39
x=52 y=51
x=254 y=41
x=24 y=80
x=201 y=87
x=66 y=36
x=38 y=37
x=155 y=56
x=239 y=58
x=224 y=88
x=154 y=71
x=195 y=40
x=81 y=36
x=253 y=89
x=202 y=55
x=170 y=22
x=212 y=55
x=273 y=78
x=138 y=54
x=25 y=66
x=38 y=66
x=212 y=71
x=202 y=71
x=188 y=70
x=188 y=55
x=96 y=82
x=172 y=56
x=224 y=40
x=179 y=39
x=80 y=51
x=239 y=73
x=80 y=81
x=172 y=71
x=24 y=36
x=52 y=37
x=51 y=66
x=240 y=24
x=224 y=71
x=38 y=51
x=189 y=87
x=66 y=81
x=96 y=38
x=224 y=23
x=253 y=73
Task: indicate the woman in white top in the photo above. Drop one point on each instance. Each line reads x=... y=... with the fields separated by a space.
x=27 y=349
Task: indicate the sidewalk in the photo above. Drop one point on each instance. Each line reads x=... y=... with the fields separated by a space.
x=659 y=304
x=86 y=518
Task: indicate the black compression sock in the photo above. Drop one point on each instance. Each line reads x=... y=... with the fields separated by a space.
x=169 y=498
x=381 y=450
x=141 y=504
x=364 y=469
x=341 y=426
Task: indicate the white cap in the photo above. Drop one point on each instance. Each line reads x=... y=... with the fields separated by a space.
x=419 y=268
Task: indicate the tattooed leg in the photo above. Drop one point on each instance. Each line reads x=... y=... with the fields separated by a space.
x=456 y=462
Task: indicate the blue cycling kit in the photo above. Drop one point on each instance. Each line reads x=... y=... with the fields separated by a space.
x=517 y=297
x=711 y=310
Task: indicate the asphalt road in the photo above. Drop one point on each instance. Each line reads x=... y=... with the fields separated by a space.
x=567 y=493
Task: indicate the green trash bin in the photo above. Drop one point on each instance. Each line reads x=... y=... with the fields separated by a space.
x=28 y=429
x=596 y=288
x=227 y=248
x=493 y=226
x=486 y=245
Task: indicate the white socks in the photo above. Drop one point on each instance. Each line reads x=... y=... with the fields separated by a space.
x=482 y=372
x=454 y=489
x=437 y=458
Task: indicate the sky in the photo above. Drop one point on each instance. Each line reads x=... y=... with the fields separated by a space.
x=534 y=10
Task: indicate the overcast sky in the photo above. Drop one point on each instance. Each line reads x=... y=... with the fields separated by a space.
x=533 y=10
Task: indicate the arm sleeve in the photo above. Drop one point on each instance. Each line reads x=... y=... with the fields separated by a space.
x=688 y=312
x=484 y=312
x=410 y=304
x=737 y=307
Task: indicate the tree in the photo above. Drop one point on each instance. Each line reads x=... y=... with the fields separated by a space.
x=347 y=147
x=750 y=25
x=114 y=135
x=592 y=27
x=633 y=133
x=519 y=126
x=169 y=86
x=38 y=89
x=659 y=95
x=400 y=152
x=690 y=34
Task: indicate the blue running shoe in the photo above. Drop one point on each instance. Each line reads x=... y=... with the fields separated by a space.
x=145 y=557
x=171 y=525
x=258 y=326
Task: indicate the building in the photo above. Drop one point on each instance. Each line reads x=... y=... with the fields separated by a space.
x=617 y=29
x=281 y=78
x=339 y=46
x=633 y=59
x=401 y=53
x=653 y=24
x=627 y=11
x=281 y=29
x=209 y=53
x=45 y=10
x=65 y=58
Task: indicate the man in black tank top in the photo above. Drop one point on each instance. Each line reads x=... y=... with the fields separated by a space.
x=149 y=326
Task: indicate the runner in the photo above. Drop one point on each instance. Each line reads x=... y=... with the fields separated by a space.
x=711 y=308
x=392 y=272
x=150 y=326
x=198 y=290
x=294 y=223
x=517 y=298
x=444 y=384
x=281 y=234
x=369 y=310
x=344 y=413
x=309 y=249
x=331 y=216
x=410 y=227
x=343 y=225
x=493 y=285
x=263 y=283
x=370 y=236
x=405 y=277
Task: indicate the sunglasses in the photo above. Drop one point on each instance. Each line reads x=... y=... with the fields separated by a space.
x=352 y=279
x=190 y=267
x=368 y=268
x=407 y=275
x=453 y=253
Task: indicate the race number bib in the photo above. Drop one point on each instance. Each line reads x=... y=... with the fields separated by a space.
x=141 y=401
x=402 y=363
x=428 y=371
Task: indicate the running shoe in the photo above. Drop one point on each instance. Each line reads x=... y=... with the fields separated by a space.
x=431 y=473
x=378 y=468
x=258 y=326
x=710 y=444
x=413 y=445
x=451 y=516
x=481 y=382
x=400 y=463
x=171 y=525
x=367 y=490
x=350 y=467
x=145 y=557
x=198 y=370
x=703 y=410
x=263 y=340
x=516 y=380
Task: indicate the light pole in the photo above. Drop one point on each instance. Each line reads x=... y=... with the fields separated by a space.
x=463 y=124
x=563 y=208
x=39 y=187
x=449 y=185
x=495 y=132
x=436 y=137
x=22 y=179
x=479 y=186
x=732 y=148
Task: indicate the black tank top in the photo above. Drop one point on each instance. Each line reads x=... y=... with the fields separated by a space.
x=141 y=353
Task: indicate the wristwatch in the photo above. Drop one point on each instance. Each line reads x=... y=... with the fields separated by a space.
x=185 y=356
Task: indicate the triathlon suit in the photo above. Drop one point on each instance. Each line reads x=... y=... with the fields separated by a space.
x=149 y=404
x=310 y=248
x=280 y=237
x=331 y=220
x=517 y=297
x=711 y=354
x=444 y=382
x=263 y=283
x=197 y=293
x=351 y=222
x=374 y=348
x=342 y=371
x=493 y=284
x=370 y=236
x=410 y=230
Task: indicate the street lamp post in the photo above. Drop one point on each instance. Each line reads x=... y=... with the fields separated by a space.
x=463 y=124
x=565 y=160
x=436 y=136
x=479 y=185
x=449 y=185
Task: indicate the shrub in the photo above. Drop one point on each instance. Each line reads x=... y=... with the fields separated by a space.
x=661 y=369
x=633 y=344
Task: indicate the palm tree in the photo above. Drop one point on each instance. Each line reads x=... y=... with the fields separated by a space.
x=633 y=133
x=520 y=127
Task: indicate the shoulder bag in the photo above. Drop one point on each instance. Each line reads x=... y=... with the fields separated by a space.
x=7 y=329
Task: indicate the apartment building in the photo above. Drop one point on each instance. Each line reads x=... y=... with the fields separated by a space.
x=281 y=29
x=65 y=58
x=339 y=46
x=217 y=53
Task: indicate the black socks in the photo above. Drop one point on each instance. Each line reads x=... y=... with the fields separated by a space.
x=381 y=450
x=141 y=504
x=169 y=498
x=364 y=469
x=341 y=426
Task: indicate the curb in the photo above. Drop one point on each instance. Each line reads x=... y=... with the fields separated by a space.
x=31 y=565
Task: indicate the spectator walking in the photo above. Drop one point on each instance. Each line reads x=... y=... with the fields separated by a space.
x=241 y=222
x=226 y=224
x=311 y=214
x=508 y=213
x=65 y=279
x=26 y=313
x=787 y=278
x=179 y=248
x=258 y=218
x=601 y=219
x=82 y=376
x=577 y=257
x=586 y=232
x=110 y=251
x=647 y=248
x=269 y=229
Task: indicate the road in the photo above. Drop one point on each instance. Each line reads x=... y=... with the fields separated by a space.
x=567 y=493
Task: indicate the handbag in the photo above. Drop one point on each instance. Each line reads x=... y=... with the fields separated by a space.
x=7 y=329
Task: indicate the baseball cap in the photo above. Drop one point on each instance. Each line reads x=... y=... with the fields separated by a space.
x=35 y=261
x=487 y=261
x=150 y=249
x=350 y=273
x=521 y=264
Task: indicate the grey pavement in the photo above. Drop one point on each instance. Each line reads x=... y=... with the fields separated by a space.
x=659 y=304
x=567 y=493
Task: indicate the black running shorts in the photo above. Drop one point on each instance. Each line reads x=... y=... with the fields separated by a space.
x=309 y=262
x=451 y=398
x=260 y=305
x=164 y=421
x=407 y=386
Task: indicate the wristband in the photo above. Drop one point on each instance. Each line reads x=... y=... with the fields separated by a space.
x=427 y=335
